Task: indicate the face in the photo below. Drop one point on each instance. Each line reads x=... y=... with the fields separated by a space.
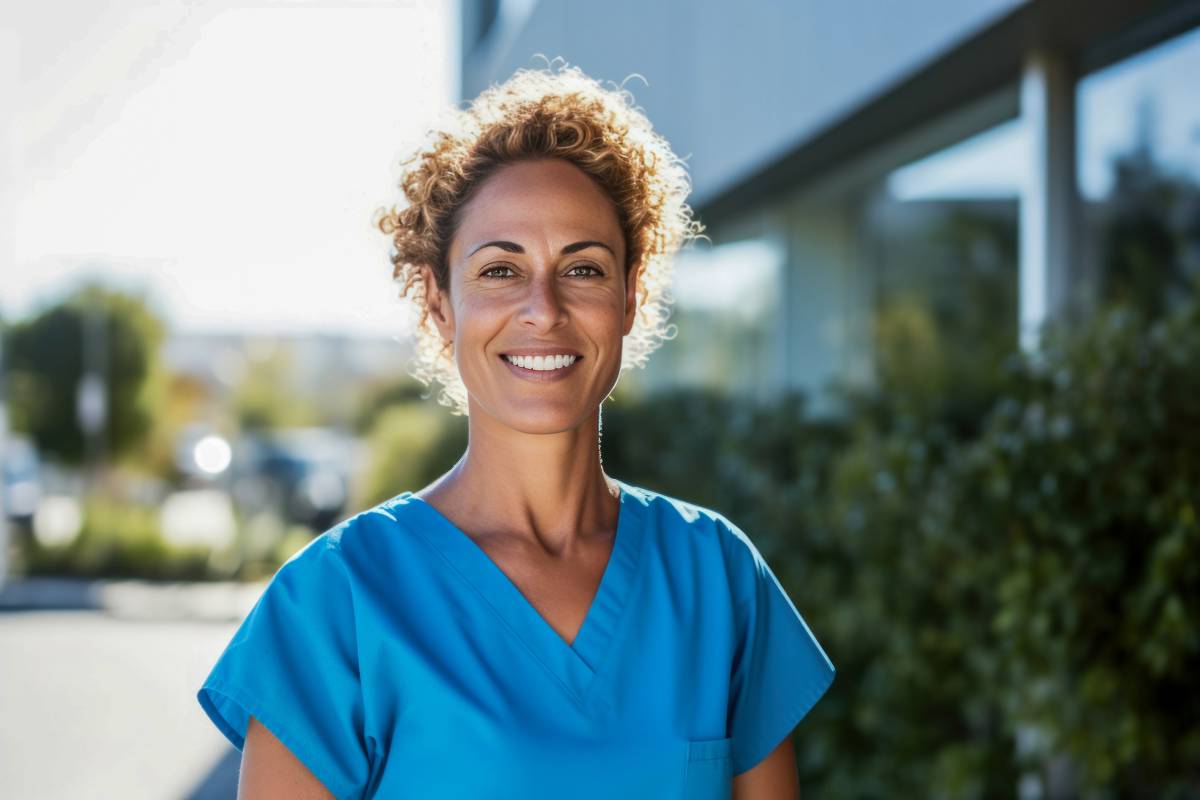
x=537 y=265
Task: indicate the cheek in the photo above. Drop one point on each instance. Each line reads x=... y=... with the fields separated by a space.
x=605 y=313
x=474 y=315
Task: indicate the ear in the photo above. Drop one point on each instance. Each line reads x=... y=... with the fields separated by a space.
x=631 y=281
x=438 y=303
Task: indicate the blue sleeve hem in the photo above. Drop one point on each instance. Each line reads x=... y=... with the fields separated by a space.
x=783 y=724
x=235 y=732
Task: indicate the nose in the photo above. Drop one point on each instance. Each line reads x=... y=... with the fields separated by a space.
x=543 y=307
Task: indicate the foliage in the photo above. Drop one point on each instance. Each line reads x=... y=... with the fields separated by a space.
x=377 y=397
x=46 y=357
x=1149 y=228
x=996 y=592
x=410 y=444
x=946 y=313
x=267 y=397
x=1083 y=494
x=119 y=540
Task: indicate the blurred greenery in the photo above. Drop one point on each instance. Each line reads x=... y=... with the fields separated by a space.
x=267 y=396
x=124 y=539
x=119 y=540
x=410 y=443
x=1035 y=575
x=947 y=309
x=1149 y=229
x=377 y=397
x=45 y=358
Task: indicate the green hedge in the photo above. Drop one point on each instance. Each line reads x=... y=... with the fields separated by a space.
x=1082 y=496
x=118 y=540
x=995 y=595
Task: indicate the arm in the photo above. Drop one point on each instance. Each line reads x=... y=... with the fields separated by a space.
x=773 y=778
x=271 y=772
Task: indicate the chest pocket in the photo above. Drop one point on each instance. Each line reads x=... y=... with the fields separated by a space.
x=709 y=770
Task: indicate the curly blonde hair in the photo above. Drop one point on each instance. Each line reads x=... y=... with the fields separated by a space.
x=536 y=114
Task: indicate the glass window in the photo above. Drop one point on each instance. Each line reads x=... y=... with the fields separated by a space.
x=941 y=235
x=726 y=314
x=1139 y=174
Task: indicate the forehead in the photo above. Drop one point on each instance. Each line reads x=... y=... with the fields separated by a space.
x=548 y=198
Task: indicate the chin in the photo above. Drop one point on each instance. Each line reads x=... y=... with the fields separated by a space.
x=539 y=418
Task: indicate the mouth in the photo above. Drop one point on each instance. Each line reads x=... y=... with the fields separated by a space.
x=541 y=370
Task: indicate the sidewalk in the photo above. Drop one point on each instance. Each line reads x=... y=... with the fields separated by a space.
x=133 y=599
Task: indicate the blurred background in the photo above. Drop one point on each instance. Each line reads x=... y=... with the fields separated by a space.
x=940 y=359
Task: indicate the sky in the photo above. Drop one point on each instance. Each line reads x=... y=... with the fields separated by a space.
x=233 y=176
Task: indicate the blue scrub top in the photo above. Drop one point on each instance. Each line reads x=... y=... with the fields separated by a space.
x=394 y=658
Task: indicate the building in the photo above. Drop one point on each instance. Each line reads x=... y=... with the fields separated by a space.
x=882 y=181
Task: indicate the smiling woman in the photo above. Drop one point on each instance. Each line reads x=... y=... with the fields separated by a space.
x=529 y=298
x=527 y=626
x=542 y=114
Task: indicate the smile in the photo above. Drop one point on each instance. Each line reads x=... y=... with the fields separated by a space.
x=541 y=369
x=541 y=363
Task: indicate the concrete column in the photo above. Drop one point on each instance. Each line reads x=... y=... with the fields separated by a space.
x=1051 y=282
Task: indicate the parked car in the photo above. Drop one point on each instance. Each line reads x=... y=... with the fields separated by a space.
x=304 y=473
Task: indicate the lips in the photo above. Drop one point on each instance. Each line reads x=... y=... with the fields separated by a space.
x=544 y=351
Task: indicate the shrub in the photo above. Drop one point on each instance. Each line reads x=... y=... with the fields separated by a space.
x=997 y=592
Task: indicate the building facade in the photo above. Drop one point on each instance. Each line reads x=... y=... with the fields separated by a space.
x=890 y=185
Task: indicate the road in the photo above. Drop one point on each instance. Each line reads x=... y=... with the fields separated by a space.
x=99 y=706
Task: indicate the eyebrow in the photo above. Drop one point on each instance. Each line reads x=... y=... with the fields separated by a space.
x=513 y=247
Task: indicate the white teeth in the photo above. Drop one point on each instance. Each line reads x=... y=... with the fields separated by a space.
x=542 y=363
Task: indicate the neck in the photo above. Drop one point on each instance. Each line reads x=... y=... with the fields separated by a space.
x=549 y=487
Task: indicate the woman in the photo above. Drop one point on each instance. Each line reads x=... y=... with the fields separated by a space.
x=527 y=626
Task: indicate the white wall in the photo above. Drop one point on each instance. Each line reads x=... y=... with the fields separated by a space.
x=736 y=84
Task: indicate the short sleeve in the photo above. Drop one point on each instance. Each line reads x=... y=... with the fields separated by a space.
x=293 y=665
x=780 y=670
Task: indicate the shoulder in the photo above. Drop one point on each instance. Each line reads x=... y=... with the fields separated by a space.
x=693 y=523
x=367 y=537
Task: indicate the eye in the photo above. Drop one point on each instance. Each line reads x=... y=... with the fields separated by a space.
x=489 y=272
x=485 y=273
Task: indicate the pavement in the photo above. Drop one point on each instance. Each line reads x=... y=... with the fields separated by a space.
x=102 y=675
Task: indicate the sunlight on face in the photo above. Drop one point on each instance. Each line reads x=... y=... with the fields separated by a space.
x=555 y=280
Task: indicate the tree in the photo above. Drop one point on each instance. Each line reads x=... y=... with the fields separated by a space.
x=93 y=328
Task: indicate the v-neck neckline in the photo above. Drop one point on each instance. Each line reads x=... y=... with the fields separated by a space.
x=575 y=664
